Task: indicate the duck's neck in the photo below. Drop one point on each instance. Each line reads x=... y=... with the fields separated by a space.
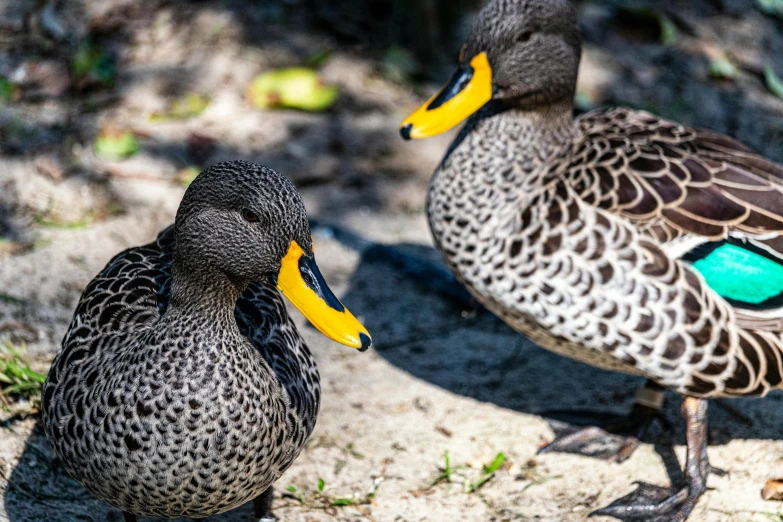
x=524 y=138
x=504 y=153
x=495 y=166
x=204 y=295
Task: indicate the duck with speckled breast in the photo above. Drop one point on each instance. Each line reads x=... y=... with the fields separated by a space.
x=183 y=387
x=617 y=238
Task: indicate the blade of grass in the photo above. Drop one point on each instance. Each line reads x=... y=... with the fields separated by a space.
x=5 y=298
x=500 y=459
x=487 y=473
x=20 y=385
x=296 y=494
x=343 y=502
x=358 y=501
x=446 y=473
x=774 y=83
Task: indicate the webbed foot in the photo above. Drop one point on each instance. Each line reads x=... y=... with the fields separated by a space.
x=650 y=503
x=605 y=436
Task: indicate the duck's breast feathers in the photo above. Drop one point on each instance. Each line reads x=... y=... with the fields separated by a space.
x=673 y=179
x=262 y=317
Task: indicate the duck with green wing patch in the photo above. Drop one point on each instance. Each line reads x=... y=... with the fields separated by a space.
x=617 y=238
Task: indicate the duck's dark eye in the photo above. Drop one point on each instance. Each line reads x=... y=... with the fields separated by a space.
x=249 y=215
x=524 y=36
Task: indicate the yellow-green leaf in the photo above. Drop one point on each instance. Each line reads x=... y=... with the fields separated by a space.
x=295 y=88
x=499 y=460
x=722 y=67
x=189 y=105
x=116 y=144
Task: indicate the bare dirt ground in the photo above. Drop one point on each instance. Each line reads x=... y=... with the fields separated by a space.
x=440 y=378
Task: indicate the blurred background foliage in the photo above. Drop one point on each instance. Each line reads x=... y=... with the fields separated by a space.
x=161 y=88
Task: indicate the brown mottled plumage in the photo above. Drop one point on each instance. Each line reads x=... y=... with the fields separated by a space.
x=584 y=234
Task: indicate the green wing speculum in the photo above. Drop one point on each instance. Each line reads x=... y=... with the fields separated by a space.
x=744 y=274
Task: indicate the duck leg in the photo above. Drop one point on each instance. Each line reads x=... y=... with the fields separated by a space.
x=129 y=517
x=262 y=505
x=651 y=503
x=603 y=436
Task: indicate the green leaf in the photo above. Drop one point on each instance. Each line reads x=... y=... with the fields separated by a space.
x=296 y=493
x=22 y=388
x=20 y=379
x=318 y=59
x=475 y=485
x=772 y=7
x=33 y=375
x=669 y=31
x=6 y=298
x=447 y=470
x=295 y=88
x=487 y=473
x=343 y=502
x=722 y=67
x=7 y=91
x=93 y=64
x=116 y=144
x=355 y=454
x=50 y=222
x=774 y=83
x=321 y=485
x=374 y=488
x=500 y=459
x=186 y=106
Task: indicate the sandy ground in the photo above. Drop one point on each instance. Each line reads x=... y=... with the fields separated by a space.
x=440 y=378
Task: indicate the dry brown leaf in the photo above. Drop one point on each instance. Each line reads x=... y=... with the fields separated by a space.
x=773 y=489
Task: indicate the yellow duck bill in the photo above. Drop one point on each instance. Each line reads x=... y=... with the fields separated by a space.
x=301 y=282
x=468 y=90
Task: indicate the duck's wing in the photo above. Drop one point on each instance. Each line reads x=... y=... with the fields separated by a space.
x=132 y=291
x=674 y=180
x=678 y=202
x=705 y=197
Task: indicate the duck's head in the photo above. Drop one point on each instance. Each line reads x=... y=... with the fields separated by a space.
x=521 y=53
x=249 y=224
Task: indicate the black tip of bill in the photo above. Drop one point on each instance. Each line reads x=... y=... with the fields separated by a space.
x=405 y=131
x=366 y=342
